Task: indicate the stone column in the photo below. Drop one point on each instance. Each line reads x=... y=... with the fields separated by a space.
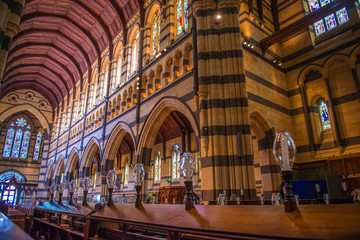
x=224 y=116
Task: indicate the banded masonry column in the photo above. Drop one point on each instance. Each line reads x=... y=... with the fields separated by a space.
x=104 y=189
x=80 y=190
x=10 y=14
x=43 y=187
x=224 y=114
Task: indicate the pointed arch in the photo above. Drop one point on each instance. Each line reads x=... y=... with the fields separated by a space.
x=114 y=141
x=73 y=159
x=90 y=150
x=306 y=70
x=19 y=108
x=157 y=116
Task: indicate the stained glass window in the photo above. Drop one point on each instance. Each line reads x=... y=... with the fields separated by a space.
x=126 y=178
x=157 y=165
x=134 y=53
x=324 y=114
x=324 y=2
x=8 y=142
x=329 y=21
x=118 y=70
x=319 y=27
x=179 y=24
x=182 y=16
x=186 y=14
x=37 y=146
x=156 y=33
x=314 y=5
x=12 y=124
x=21 y=122
x=28 y=127
x=25 y=144
x=17 y=142
x=175 y=163
x=342 y=16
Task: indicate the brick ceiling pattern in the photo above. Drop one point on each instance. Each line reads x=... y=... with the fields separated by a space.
x=60 y=40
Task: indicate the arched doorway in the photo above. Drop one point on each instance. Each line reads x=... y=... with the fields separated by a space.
x=267 y=171
x=119 y=154
x=169 y=131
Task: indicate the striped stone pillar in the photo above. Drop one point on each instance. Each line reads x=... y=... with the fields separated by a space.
x=10 y=13
x=168 y=25
x=104 y=189
x=43 y=188
x=80 y=190
x=147 y=47
x=224 y=118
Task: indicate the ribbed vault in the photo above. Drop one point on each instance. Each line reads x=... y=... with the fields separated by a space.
x=60 y=40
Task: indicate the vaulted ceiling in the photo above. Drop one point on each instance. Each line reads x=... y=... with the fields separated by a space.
x=60 y=40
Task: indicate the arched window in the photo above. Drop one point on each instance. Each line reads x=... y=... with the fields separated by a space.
x=324 y=115
x=157 y=168
x=329 y=22
x=25 y=144
x=10 y=193
x=118 y=71
x=126 y=177
x=37 y=146
x=8 y=142
x=17 y=141
x=134 y=53
x=155 y=31
x=175 y=163
x=182 y=16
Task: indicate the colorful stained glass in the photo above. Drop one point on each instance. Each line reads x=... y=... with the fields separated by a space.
x=25 y=145
x=154 y=33
x=342 y=16
x=12 y=124
x=158 y=33
x=157 y=172
x=37 y=146
x=319 y=27
x=8 y=142
x=314 y=5
x=186 y=14
x=28 y=127
x=179 y=18
x=173 y=166
x=325 y=2
x=324 y=114
x=330 y=21
x=21 y=122
x=17 y=142
x=126 y=178
x=178 y=164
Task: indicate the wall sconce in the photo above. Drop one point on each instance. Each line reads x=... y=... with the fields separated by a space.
x=276 y=62
x=247 y=43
